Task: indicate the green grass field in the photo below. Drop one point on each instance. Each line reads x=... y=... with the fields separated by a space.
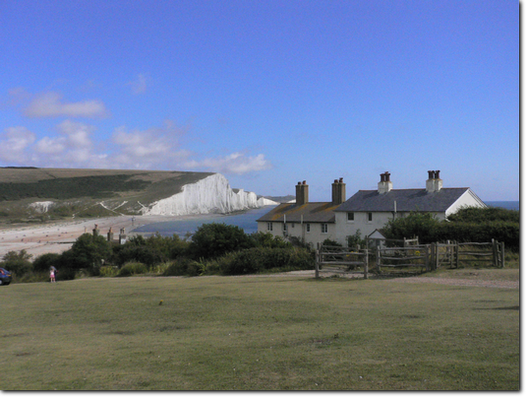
x=257 y=333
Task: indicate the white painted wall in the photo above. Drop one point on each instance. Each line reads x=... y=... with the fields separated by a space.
x=467 y=199
x=314 y=236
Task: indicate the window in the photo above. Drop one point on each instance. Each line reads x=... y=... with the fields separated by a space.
x=324 y=228
x=370 y=216
x=270 y=226
x=293 y=225
x=307 y=227
x=285 y=227
x=350 y=216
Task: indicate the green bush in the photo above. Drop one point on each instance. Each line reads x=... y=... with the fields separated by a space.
x=131 y=269
x=151 y=251
x=255 y=260
x=217 y=239
x=485 y=215
x=45 y=261
x=87 y=252
x=466 y=225
x=184 y=267
x=65 y=273
x=108 y=271
x=17 y=262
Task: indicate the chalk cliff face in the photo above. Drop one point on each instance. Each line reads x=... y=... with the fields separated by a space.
x=212 y=194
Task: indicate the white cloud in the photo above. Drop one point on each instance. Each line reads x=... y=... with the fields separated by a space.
x=155 y=148
x=149 y=148
x=15 y=144
x=139 y=85
x=236 y=163
x=50 y=105
x=73 y=147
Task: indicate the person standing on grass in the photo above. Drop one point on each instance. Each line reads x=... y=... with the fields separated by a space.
x=52 y=274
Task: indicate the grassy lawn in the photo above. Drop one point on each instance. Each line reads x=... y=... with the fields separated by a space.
x=257 y=333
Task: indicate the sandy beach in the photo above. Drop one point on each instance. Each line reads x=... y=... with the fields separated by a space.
x=58 y=237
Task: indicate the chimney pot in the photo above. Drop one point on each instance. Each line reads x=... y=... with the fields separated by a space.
x=385 y=185
x=434 y=183
x=338 y=192
x=301 y=193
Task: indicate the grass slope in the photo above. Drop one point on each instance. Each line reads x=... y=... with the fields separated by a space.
x=80 y=191
x=257 y=333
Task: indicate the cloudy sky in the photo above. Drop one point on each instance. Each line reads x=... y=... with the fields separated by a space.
x=267 y=93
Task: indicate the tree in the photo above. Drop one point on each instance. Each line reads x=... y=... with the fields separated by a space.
x=423 y=225
x=45 y=261
x=216 y=239
x=17 y=262
x=88 y=252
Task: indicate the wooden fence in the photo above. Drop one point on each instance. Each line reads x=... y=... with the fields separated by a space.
x=416 y=256
x=336 y=259
x=453 y=255
x=413 y=258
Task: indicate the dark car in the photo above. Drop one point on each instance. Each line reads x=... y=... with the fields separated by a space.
x=5 y=277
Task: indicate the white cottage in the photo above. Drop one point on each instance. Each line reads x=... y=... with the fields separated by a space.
x=369 y=210
x=311 y=222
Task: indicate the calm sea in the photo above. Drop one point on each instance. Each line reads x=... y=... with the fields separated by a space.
x=512 y=205
x=246 y=220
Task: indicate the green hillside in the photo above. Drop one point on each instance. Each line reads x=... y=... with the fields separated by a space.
x=79 y=192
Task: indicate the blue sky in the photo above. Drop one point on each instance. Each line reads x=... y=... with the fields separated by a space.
x=267 y=93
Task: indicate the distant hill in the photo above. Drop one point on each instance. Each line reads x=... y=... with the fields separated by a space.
x=39 y=194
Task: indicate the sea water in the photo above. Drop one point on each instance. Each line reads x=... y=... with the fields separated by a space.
x=511 y=205
x=245 y=220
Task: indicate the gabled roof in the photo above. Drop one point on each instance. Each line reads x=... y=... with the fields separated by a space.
x=312 y=212
x=407 y=200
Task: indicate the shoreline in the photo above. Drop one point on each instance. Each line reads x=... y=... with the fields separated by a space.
x=58 y=236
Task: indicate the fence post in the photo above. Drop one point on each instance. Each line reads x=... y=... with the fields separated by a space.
x=494 y=257
x=451 y=254
x=317 y=254
x=427 y=260
x=457 y=255
x=378 y=259
x=502 y=255
x=366 y=263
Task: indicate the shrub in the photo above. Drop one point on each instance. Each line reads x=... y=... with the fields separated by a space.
x=423 y=225
x=131 y=269
x=216 y=239
x=108 y=271
x=17 y=262
x=268 y=240
x=256 y=260
x=89 y=252
x=460 y=227
x=484 y=215
x=45 y=261
x=66 y=273
x=184 y=267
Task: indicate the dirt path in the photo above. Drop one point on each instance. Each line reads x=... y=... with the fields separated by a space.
x=467 y=282
x=460 y=281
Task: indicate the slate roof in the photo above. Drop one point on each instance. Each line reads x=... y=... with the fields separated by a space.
x=312 y=212
x=407 y=200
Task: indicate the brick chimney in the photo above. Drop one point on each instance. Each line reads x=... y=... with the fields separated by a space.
x=433 y=184
x=338 y=192
x=384 y=185
x=301 y=193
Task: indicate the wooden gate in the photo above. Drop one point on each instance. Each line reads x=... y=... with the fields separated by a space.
x=409 y=257
x=455 y=255
x=342 y=260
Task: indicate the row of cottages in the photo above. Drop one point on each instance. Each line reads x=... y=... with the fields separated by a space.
x=366 y=211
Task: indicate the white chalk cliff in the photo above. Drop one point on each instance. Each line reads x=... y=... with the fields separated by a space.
x=212 y=194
